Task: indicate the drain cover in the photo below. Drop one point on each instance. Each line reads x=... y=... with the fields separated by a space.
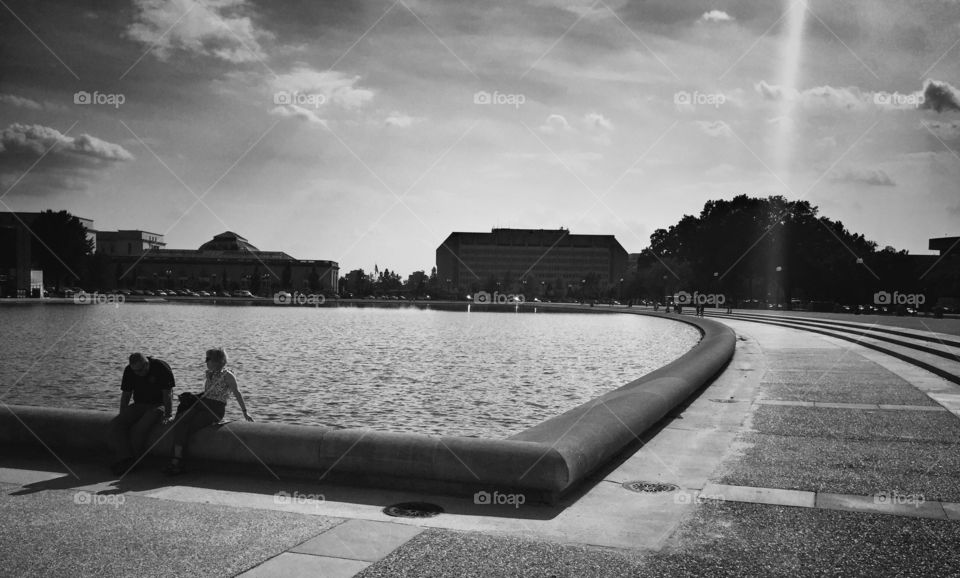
x=649 y=487
x=413 y=510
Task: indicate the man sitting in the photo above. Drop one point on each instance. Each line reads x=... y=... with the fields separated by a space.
x=149 y=381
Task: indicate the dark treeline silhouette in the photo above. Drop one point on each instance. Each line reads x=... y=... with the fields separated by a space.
x=773 y=250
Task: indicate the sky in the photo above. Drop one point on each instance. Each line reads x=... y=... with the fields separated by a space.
x=365 y=132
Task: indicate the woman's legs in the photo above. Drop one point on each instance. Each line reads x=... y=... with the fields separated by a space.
x=197 y=417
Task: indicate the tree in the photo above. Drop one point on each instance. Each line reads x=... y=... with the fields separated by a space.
x=60 y=246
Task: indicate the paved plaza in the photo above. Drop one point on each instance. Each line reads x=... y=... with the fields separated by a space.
x=811 y=454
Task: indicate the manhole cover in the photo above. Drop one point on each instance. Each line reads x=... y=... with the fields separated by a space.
x=649 y=487
x=413 y=510
x=723 y=400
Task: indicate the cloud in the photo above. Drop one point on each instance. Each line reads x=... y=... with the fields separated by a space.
x=716 y=16
x=400 y=120
x=940 y=96
x=34 y=140
x=218 y=28
x=849 y=98
x=715 y=128
x=334 y=87
x=20 y=101
x=68 y=165
x=554 y=124
x=595 y=120
x=873 y=177
x=299 y=112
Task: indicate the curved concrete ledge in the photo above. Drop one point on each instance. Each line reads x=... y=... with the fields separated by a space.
x=548 y=459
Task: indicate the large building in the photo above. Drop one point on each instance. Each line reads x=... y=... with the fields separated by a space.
x=534 y=262
x=227 y=262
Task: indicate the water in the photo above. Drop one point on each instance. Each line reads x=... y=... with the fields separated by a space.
x=408 y=370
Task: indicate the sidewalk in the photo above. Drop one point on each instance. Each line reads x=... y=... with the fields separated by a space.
x=795 y=419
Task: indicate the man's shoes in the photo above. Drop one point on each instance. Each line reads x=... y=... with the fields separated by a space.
x=122 y=466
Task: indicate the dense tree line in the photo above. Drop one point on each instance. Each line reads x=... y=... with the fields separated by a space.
x=775 y=250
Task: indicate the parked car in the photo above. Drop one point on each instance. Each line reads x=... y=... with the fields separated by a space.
x=242 y=293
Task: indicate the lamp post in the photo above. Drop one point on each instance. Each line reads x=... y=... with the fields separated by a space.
x=776 y=284
x=620 y=290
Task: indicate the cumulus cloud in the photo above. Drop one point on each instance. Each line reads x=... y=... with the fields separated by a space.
x=400 y=120
x=69 y=162
x=554 y=124
x=859 y=175
x=328 y=87
x=218 y=28
x=298 y=112
x=595 y=120
x=715 y=128
x=940 y=96
x=20 y=101
x=716 y=16
x=34 y=140
x=848 y=98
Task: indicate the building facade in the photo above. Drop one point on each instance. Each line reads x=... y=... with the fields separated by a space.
x=226 y=263
x=532 y=262
x=124 y=242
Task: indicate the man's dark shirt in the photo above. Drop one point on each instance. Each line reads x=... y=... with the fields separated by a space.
x=148 y=389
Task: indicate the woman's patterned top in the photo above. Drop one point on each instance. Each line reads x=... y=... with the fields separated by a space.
x=216 y=387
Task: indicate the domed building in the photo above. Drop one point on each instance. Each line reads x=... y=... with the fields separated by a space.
x=225 y=263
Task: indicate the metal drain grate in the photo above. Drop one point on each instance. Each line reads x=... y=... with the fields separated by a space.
x=641 y=486
x=413 y=510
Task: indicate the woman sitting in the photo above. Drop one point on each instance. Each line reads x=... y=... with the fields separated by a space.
x=209 y=409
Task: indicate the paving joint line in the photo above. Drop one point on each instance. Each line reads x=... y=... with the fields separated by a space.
x=833 y=501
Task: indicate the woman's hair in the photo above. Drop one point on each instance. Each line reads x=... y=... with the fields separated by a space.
x=218 y=354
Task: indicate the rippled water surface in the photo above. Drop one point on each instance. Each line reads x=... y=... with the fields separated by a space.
x=411 y=370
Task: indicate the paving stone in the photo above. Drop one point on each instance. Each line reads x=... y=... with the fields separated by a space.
x=856 y=422
x=359 y=540
x=910 y=506
x=846 y=466
x=774 y=496
x=912 y=408
x=846 y=405
x=290 y=565
x=952 y=509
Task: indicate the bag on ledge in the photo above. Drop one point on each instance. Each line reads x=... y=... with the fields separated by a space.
x=187 y=400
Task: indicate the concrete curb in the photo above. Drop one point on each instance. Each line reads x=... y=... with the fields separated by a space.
x=546 y=460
